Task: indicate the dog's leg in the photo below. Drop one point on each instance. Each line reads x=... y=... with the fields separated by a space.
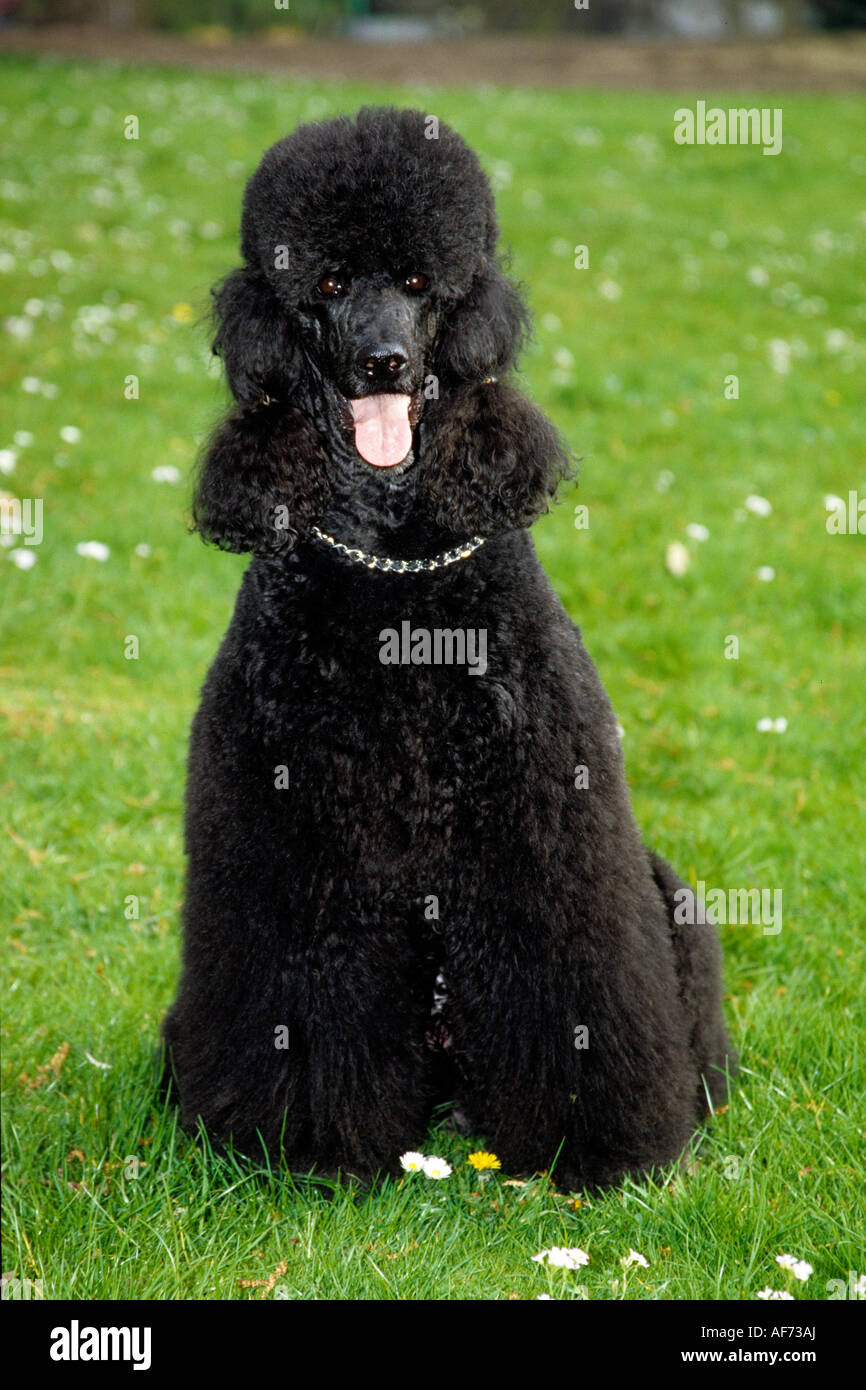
x=287 y=1032
x=570 y=1036
x=314 y=1045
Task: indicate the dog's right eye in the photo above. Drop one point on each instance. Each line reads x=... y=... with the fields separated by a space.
x=329 y=284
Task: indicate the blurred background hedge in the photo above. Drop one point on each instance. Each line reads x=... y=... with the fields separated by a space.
x=709 y=19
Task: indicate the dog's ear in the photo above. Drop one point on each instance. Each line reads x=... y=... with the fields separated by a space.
x=482 y=334
x=262 y=480
x=491 y=461
x=255 y=338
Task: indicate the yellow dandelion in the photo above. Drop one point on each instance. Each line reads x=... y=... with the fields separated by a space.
x=183 y=313
x=482 y=1160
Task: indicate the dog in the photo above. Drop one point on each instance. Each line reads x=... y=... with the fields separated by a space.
x=399 y=896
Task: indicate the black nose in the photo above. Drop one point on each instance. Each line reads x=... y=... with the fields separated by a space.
x=383 y=364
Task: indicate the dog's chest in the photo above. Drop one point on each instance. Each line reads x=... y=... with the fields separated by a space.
x=395 y=726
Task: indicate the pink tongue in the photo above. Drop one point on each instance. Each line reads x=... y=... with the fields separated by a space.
x=383 y=435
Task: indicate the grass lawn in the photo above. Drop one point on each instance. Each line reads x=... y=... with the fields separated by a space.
x=704 y=264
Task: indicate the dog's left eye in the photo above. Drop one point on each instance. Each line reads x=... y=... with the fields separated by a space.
x=416 y=283
x=329 y=284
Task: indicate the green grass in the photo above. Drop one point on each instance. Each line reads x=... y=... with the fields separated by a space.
x=629 y=359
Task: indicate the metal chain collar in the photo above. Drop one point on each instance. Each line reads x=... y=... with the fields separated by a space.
x=384 y=562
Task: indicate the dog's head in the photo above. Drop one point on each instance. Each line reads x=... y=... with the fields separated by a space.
x=370 y=320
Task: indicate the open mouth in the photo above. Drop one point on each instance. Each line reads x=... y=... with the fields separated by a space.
x=382 y=425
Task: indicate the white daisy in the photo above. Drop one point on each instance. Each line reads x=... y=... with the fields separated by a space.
x=437 y=1167
x=697 y=531
x=564 y=1257
x=17 y=326
x=799 y=1268
x=835 y=339
x=677 y=559
x=776 y=1294
x=70 y=434
x=411 y=1162
x=780 y=355
x=24 y=559
x=93 y=550
x=634 y=1258
x=758 y=506
x=766 y=574
x=166 y=473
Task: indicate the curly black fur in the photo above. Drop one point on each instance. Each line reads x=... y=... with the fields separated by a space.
x=264 y=480
x=431 y=824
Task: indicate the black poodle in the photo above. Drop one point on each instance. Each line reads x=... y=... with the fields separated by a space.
x=400 y=892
